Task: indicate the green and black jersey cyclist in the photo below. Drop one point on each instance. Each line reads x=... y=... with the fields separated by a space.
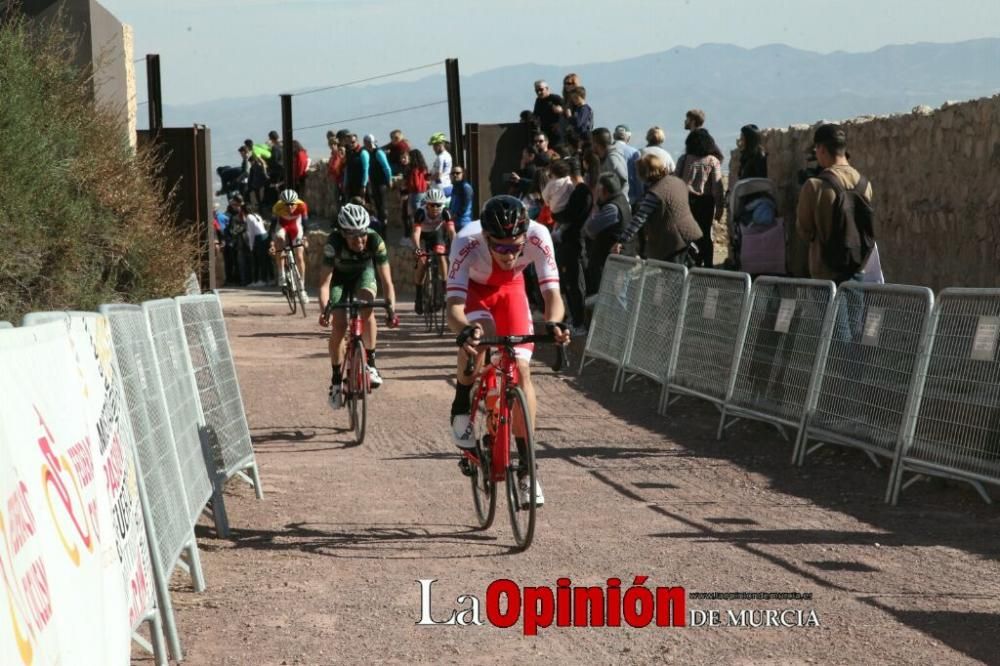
x=352 y=255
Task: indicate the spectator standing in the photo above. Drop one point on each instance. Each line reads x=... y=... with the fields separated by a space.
x=398 y=146
x=655 y=137
x=753 y=159
x=335 y=169
x=581 y=116
x=569 y=246
x=612 y=217
x=548 y=110
x=694 y=119
x=622 y=136
x=275 y=164
x=440 y=172
x=815 y=214
x=611 y=161
x=261 y=268
x=461 y=198
x=379 y=177
x=356 y=172
x=663 y=215
x=702 y=171
x=543 y=154
x=300 y=164
x=416 y=183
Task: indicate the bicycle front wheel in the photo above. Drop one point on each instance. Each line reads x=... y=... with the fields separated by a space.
x=521 y=472
x=359 y=391
x=288 y=287
x=439 y=310
x=484 y=488
x=300 y=288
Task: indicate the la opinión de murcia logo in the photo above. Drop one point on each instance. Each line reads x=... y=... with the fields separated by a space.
x=568 y=605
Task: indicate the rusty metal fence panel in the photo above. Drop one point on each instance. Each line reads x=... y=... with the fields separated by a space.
x=779 y=361
x=878 y=335
x=712 y=331
x=954 y=429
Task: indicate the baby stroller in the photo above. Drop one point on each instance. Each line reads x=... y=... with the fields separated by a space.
x=756 y=233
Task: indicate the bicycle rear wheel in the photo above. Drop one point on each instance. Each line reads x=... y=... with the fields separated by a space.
x=520 y=469
x=484 y=488
x=359 y=389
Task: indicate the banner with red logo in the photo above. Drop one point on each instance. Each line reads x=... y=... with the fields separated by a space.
x=59 y=552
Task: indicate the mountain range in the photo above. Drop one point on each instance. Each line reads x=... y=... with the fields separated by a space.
x=771 y=86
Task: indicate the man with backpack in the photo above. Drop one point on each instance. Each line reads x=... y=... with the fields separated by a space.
x=835 y=214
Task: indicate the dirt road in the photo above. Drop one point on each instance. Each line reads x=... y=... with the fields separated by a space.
x=325 y=569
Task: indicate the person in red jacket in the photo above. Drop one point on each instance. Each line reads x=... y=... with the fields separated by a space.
x=299 y=164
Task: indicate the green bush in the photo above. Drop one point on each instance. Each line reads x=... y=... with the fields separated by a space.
x=83 y=218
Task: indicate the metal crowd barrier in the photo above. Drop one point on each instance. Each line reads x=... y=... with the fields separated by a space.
x=150 y=615
x=160 y=467
x=878 y=335
x=218 y=386
x=661 y=308
x=713 y=325
x=192 y=286
x=954 y=426
x=615 y=312
x=779 y=362
x=199 y=457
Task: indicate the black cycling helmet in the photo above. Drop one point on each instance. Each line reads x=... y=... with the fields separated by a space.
x=504 y=216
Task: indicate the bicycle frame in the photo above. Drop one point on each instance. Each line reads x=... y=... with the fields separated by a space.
x=499 y=422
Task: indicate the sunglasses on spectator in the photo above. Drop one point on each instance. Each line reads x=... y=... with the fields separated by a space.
x=456 y=173
x=504 y=248
x=539 y=140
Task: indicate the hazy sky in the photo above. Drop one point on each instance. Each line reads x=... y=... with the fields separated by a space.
x=225 y=48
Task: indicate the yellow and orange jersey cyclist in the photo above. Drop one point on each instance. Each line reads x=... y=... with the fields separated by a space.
x=289 y=214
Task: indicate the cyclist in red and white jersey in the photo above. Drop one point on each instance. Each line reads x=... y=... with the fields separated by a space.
x=433 y=228
x=289 y=213
x=486 y=297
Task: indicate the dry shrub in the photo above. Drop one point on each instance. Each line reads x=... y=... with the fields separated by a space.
x=82 y=214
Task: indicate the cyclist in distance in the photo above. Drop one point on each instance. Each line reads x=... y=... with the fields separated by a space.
x=290 y=213
x=486 y=298
x=432 y=229
x=352 y=255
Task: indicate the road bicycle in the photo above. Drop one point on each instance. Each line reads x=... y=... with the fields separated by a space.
x=499 y=416
x=433 y=292
x=355 y=385
x=294 y=286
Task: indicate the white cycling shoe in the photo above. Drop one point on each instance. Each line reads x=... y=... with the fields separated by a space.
x=374 y=378
x=461 y=431
x=525 y=492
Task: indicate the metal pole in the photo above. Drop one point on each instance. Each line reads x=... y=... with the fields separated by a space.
x=153 y=93
x=455 y=125
x=286 y=138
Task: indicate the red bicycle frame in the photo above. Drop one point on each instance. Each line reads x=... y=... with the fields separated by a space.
x=494 y=382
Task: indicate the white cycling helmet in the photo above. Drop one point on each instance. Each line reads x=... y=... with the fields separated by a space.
x=435 y=195
x=289 y=197
x=353 y=218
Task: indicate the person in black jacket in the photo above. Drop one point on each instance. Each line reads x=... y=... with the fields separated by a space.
x=753 y=159
x=568 y=238
x=613 y=216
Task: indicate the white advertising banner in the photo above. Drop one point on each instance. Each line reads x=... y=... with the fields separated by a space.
x=68 y=606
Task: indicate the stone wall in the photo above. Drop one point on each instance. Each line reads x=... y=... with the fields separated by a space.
x=936 y=181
